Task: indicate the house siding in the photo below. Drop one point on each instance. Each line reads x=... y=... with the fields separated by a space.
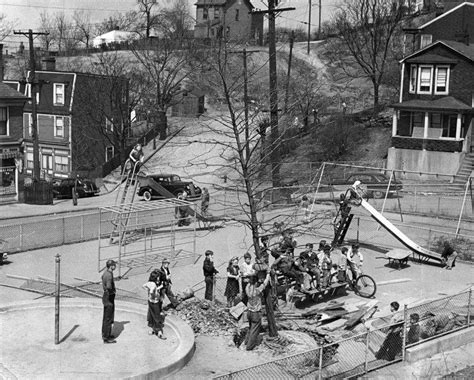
x=446 y=28
x=461 y=80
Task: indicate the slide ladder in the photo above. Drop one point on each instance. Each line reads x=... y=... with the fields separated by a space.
x=125 y=197
x=341 y=222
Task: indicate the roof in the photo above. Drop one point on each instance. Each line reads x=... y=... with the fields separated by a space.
x=223 y=3
x=431 y=58
x=466 y=51
x=465 y=4
x=447 y=103
x=6 y=92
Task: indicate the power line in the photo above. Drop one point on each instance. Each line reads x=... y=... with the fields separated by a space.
x=68 y=8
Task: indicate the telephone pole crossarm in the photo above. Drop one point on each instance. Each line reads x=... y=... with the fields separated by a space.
x=276 y=10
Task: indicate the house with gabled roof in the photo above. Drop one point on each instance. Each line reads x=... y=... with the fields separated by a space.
x=229 y=19
x=432 y=128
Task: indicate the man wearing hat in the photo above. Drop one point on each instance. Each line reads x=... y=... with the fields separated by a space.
x=166 y=281
x=108 y=300
x=209 y=272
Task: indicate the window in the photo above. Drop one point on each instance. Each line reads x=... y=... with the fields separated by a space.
x=237 y=15
x=46 y=162
x=425 y=40
x=29 y=160
x=216 y=13
x=109 y=153
x=205 y=13
x=442 y=80
x=109 y=125
x=58 y=126
x=211 y=13
x=413 y=72
x=449 y=126
x=58 y=95
x=3 y=121
x=425 y=79
x=61 y=164
x=28 y=93
x=30 y=124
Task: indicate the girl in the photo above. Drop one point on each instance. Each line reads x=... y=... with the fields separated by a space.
x=232 y=287
x=156 y=317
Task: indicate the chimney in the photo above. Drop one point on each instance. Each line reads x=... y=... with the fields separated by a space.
x=49 y=64
x=2 y=67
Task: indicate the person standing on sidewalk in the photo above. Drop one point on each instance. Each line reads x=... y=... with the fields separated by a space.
x=108 y=300
x=155 y=304
x=166 y=282
x=209 y=272
x=254 y=310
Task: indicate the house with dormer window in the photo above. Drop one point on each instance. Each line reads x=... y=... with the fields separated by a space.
x=232 y=20
x=432 y=128
x=77 y=118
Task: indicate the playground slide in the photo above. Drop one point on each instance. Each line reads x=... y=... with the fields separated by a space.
x=199 y=216
x=399 y=235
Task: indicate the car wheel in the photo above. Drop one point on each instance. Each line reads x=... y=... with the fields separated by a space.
x=179 y=193
x=378 y=194
x=147 y=195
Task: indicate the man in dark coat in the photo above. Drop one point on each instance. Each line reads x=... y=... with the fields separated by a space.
x=108 y=300
x=209 y=272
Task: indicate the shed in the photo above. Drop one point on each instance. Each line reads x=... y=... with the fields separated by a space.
x=190 y=104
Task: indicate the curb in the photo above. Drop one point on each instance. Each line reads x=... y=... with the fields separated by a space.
x=177 y=360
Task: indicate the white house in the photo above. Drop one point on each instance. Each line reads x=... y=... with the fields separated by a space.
x=114 y=36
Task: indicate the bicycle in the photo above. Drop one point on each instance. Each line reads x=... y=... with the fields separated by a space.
x=363 y=285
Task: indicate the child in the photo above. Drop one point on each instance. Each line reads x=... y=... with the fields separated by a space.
x=413 y=334
x=246 y=270
x=326 y=264
x=232 y=287
x=305 y=207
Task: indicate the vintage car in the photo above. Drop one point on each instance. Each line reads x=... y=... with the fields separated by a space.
x=85 y=187
x=170 y=182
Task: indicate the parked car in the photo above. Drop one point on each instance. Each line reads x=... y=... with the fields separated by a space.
x=375 y=183
x=85 y=187
x=171 y=182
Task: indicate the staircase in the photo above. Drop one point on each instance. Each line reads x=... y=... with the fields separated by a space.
x=461 y=177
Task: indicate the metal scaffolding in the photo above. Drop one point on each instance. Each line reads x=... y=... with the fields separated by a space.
x=141 y=234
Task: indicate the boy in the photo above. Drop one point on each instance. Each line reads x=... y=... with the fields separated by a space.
x=209 y=272
x=246 y=270
x=326 y=264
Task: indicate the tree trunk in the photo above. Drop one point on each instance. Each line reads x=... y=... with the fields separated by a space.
x=162 y=124
x=272 y=329
x=376 y=96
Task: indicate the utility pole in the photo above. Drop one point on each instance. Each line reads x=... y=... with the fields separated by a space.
x=287 y=90
x=33 y=87
x=309 y=24
x=319 y=21
x=274 y=134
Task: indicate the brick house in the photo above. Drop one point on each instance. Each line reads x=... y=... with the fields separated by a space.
x=231 y=19
x=432 y=127
x=78 y=115
x=455 y=24
x=11 y=138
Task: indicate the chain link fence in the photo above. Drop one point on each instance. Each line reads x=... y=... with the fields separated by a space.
x=383 y=343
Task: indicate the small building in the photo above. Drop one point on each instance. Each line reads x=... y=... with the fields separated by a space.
x=433 y=121
x=229 y=19
x=11 y=139
x=113 y=37
x=189 y=104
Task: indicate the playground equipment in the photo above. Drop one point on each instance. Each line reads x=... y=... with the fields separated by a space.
x=145 y=234
x=343 y=219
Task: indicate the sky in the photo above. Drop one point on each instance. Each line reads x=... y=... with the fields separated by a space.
x=25 y=13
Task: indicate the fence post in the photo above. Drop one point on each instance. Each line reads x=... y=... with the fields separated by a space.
x=358 y=224
x=404 y=332
x=366 y=363
x=320 y=372
x=469 y=303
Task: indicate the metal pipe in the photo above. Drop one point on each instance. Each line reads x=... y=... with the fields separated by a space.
x=57 y=295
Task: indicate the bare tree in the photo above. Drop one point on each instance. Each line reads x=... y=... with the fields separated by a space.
x=176 y=21
x=83 y=27
x=167 y=66
x=118 y=21
x=365 y=29
x=47 y=27
x=147 y=9
x=6 y=26
x=63 y=30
